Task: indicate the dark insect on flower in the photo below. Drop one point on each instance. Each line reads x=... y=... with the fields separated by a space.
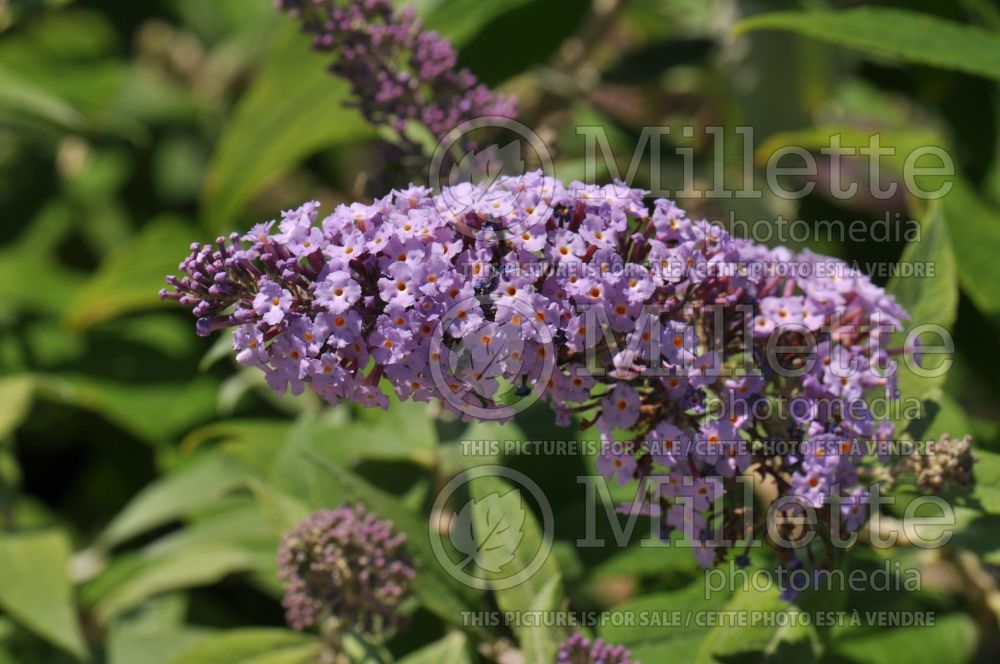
x=484 y=286
x=344 y=568
x=562 y=213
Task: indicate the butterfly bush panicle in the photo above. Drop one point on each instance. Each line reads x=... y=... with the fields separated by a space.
x=398 y=71
x=721 y=356
x=943 y=464
x=578 y=649
x=344 y=567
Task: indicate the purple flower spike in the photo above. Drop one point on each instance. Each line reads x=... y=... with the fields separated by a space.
x=398 y=72
x=719 y=355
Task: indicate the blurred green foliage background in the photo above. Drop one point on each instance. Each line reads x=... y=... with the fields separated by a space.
x=144 y=477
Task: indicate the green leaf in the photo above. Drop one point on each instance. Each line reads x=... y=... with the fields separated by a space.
x=153 y=647
x=153 y=412
x=12 y=13
x=539 y=643
x=35 y=588
x=542 y=28
x=283 y=512
x=951 y=639
x=237 y=520
x=293 y=109
x=987 y=486
x=175 y=496
x=460 y=20
x=973 y=224
x=253 y=646
x=668 y=628
x=974 y=229
x=156 y=634
x=16 y=394
x=507 y=532
x=21 y=100
x=929 y=300
x=186 y=567
x=728 y=641
x=453 y=649
x=894 y=33
x=130 y=278
x=53 y=285
x=944 y=415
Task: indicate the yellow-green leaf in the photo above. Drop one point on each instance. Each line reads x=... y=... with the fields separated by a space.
x=894 y=33
x=35 y=588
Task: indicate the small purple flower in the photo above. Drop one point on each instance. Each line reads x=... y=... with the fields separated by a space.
x=272 y=302
x=578 y=649
x=620 y=408
x=616 y=461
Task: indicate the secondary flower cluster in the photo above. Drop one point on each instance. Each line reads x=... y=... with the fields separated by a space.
x=634 y=318
x=344 y=567
x=398 y=71
x=945 y=463
x=578 y=649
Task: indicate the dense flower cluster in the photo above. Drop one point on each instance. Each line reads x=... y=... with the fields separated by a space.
x=945 y=463
x=578 y=649
x=344 y=567
x=718 y=355
x=398 y=71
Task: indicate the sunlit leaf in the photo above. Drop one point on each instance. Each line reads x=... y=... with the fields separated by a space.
x=253 y=646
x=974 y=228
x=35 y=588
x=453 y=649
x=929 y=300
x=507 y=540
x=294 y=109
x=175 y=496
x=670 y=628
x=186 y=567
x=20 y=99
x=894 y=33
x=951 y=639
x=131 y=277
x=725 y=641
x=16 y=394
